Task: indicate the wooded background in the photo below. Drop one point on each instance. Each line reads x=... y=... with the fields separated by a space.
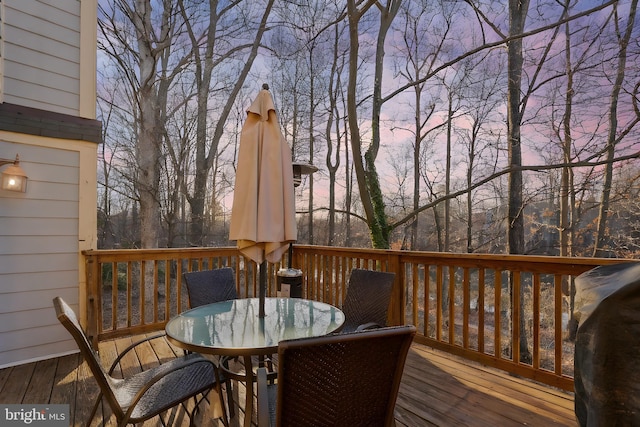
x=458 y=126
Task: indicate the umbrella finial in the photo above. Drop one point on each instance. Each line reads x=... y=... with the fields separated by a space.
x=265 y=86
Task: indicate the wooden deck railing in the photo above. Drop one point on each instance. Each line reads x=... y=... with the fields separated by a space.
x=508 y=312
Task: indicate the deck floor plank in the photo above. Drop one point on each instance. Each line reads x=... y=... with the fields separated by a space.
x=17 y=383
x=108 y=353
x=437 y=389
x=4 y=376
x=41 y=384
x=88 y=391
x=65 y=382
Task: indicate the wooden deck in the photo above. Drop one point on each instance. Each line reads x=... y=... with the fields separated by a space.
x=437 y=389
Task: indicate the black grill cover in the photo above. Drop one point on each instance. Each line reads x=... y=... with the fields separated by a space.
x=607 y=351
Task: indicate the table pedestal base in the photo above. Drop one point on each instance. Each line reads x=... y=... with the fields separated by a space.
x=248 y=377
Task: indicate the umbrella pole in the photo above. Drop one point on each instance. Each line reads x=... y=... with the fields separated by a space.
x=262 y=288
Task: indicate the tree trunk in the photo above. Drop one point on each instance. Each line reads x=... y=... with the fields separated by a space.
x=517 y=16
x=352 y=113
x=203 y=69
x=333 y=160
x=312 y=103
x=447 y=184
x=566 y=183
x=149 y=136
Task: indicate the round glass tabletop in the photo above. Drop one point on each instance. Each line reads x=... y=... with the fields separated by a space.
x=234 y=328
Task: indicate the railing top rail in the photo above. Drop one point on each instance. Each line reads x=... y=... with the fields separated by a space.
x=456 y=258
x=534 y=263
x=159 y=253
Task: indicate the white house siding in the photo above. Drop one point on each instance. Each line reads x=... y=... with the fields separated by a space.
x=41 y=235
x=41 y=54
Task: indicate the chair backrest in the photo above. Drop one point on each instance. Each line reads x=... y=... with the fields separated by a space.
x=367 y=299
x=68 y=318
x=343 y=379
x=209 y=286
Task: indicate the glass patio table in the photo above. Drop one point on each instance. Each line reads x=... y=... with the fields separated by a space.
x=233 y=328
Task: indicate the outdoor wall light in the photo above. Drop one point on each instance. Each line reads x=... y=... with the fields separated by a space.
x=300 y=169
x=13 y=177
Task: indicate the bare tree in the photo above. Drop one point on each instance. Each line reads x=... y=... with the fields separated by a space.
x=334 y=126
x=624 y=30
x=568 y=214
x=420 y=52
x=483 y=93
x=365 y=162
x=216 y=45
x=139 y=49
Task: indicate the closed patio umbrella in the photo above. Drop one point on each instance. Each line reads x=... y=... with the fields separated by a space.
x=263 y=214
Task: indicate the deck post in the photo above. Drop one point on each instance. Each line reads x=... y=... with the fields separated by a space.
x=397 y=305
x=92 y=299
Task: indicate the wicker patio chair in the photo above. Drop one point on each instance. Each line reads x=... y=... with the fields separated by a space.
x=367 y=300
x=348 y=380
x=149 y=393
x=209 y=286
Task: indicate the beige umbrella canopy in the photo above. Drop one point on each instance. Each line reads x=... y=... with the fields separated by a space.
x=263 y=214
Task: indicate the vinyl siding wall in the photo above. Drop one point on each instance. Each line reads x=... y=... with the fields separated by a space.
x=41 y=54
x=41 y=235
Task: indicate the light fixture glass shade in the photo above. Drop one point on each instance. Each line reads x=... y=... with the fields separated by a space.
x=14 y=179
